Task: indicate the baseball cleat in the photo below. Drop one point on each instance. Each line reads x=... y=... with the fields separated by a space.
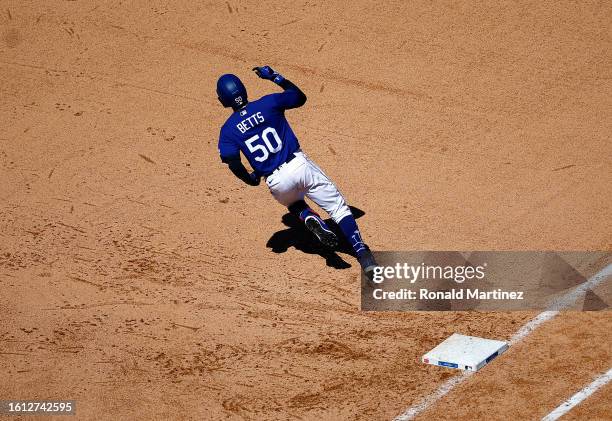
x=321 y=231
x=368 y=263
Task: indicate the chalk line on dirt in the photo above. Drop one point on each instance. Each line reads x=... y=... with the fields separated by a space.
x=579 y=396
x=565 y=301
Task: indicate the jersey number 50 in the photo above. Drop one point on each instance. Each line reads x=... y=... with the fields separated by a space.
x=268 y=148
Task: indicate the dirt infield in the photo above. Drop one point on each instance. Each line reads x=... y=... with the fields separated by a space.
x=141 y=279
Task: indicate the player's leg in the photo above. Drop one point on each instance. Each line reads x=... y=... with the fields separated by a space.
x=326 y=195
x=321 y=190
x=287 y=187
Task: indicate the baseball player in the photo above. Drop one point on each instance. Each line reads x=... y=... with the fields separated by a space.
x=261 y=132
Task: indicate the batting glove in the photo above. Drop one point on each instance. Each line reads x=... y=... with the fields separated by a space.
x=266 y=72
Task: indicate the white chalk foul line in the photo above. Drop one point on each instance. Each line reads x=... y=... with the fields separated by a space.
x=581 y=395
x=564 y=301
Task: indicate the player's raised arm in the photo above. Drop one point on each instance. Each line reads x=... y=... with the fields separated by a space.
x=292 y=97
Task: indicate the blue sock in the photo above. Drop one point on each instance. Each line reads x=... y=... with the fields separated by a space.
x=307 y=212
x=349 y=228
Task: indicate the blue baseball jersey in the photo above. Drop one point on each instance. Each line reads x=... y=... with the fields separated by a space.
x=261 y=132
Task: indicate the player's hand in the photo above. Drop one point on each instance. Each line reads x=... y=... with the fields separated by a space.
x=255 y=179
x=265 y=72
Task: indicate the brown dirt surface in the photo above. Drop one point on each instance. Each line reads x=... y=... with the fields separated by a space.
x=136 y=274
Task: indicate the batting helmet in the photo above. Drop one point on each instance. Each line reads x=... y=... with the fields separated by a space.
x=231 y=91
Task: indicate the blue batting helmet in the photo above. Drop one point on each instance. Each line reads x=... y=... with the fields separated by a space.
x=231 y=91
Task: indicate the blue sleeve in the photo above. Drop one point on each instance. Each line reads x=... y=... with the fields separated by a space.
x=227 y=148
x=286 y=100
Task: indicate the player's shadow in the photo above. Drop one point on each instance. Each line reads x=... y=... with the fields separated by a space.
x=296 y=235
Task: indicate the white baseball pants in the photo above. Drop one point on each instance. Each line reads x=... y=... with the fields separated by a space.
x=302 y=177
